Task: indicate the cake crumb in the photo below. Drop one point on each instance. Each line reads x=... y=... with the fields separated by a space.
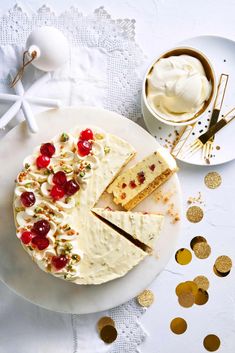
x=195 y=199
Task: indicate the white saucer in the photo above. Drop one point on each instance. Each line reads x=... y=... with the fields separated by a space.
x=221 y=53
x=17 y=269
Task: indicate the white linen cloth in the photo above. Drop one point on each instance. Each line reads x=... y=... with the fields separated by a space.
x=102 y=71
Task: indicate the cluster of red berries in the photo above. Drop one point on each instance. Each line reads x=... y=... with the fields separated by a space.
x=37 y=236
x=63 y=186
x=47 y=150
x=84 y=143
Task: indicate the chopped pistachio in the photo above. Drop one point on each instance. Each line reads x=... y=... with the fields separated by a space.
x=64 y=137
x=99 y=136
x=38 y=209
x=82 y=174
x=28 y=185
x=30 y=248
x=68 y=199
x=76 y=257
x=47 y=172
x=27 y=165
x=88 y=166
x=19 y=209
x=67 y=169
x=106 y=149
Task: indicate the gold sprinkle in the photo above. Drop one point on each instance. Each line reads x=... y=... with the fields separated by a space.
x=202 y=282
x=198 y=239
x=202 y=297
x=186 y=299
x=211 y=343
x=194 y=214
x=178 y=325
x=145 y=298
x=108 y=334
x=218 y=148
x=183 y=256
x=213 y=180
x=104 y=321
x=202 y=250
x=220 y=274
x=223 y=264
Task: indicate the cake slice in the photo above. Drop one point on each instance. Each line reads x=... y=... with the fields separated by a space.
x=136 y=183
x=145 y=227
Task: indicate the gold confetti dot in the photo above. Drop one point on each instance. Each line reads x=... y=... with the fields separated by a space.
x=178 y=325
x=202 y=250
x=213 y=180
x=202 y=297
x=197 y=239
x=223 y=264
x=194 y=214
x=220 y=274
x=186 y=287
x=108 y=334
x=211 y=343
x=145 y=298
x=104 y=321
x=202 y=282
x=218 y=148
x=186 y=299
x=183 y=256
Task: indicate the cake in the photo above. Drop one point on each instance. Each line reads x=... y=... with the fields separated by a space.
x=136 y=183
x=54 y=201
x=144 y=227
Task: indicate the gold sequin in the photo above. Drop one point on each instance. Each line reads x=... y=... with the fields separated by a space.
x=213 y=180
x=211 y=343
x=202 y=297
x=145 y=298
x=202 y=250
x=108 y=334
x=178 y=325
x=223 y=264
x=197 y=239
x=220 y=274
x=183 y=256
x=202 y=282
x=194 y=214
x=186 y=299
x=104 y=321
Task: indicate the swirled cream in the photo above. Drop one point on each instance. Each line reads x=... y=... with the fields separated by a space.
x=88 y=250
x=177 y=87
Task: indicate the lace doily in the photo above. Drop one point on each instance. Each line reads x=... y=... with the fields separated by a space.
x=116 y=38
x=120 y=86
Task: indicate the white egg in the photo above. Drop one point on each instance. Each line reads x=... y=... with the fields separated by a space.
x=51 y=47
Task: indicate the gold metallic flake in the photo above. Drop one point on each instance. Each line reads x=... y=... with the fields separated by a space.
x=202 y=250
x=202 y=282
x=145 y=298
x=223 y=264
x=194 y=214
x=108 y=334
x=104 y=321
x=213 y=180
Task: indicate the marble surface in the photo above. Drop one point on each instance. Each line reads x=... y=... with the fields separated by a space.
x=160 y=24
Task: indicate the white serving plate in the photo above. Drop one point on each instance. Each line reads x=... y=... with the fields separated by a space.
x=18 y=271
x=221 y=53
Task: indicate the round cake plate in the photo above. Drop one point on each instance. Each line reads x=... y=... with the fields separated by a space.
x=221 y=52
x=18 y=271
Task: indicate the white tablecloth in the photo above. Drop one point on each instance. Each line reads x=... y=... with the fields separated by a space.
x=159 y=24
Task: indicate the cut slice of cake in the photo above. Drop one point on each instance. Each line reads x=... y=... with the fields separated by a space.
x=145 y=227
x=136 y=183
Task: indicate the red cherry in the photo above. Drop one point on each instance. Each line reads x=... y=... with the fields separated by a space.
x=40 y=242
x=26 y=237
x=27 y=199
x=59 y=261
x=86 y=135
x=47 y=149
x=42 y=161
x=71 y=187
x=84 y=147
x=57 y=192
x=41 y=228
x=59 y=178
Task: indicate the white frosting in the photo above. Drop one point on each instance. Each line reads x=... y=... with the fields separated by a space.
x=178 y=87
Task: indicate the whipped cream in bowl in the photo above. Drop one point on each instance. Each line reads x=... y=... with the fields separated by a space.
x=179 y=86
